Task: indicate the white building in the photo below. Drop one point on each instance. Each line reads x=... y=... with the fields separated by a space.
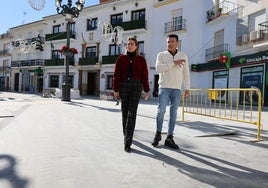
x=206 y=29
x=5 y=62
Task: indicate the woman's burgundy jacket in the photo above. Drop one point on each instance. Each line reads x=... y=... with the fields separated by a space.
x=139 y=71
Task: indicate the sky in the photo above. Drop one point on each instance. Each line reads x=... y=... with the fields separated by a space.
x=18 y=12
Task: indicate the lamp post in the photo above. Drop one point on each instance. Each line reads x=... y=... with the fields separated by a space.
x=69 y=12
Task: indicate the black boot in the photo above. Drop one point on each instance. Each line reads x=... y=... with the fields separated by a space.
x=128 y=142
x=157 y=138
x=127 y=148
x=170 y=142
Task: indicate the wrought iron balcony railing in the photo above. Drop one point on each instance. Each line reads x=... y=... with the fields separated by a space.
x=33 y=62
x=131 y=25
x=4 y=52
x=58 y=36
x=258 y=36
x=214 y=52
x=54 y=62
x=223 y=8
x=109 y=59
x=88 y=61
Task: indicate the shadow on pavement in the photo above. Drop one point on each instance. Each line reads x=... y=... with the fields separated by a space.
x=7 y=172
x=224 y=173
x=230 y=132
x=80 y=104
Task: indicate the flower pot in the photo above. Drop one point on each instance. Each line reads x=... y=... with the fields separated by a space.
x=68 y=53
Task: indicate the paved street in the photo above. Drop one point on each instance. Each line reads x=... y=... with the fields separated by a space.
x=48 y=143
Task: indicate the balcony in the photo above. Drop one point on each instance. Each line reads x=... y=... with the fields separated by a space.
x=176 y=25
x=54 y=62
x=214 y=53
x=4 y=52
x=222 y=9
x=263 y=30
x=255 y=37
x=110 y=59
x=88 y=61
x=131 y=25
x=33 y=62
x=5 y=69
x=58 y=36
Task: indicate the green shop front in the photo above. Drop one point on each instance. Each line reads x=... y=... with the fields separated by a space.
x=253 y=71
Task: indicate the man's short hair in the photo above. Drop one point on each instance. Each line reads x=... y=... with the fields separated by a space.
x=173 y=36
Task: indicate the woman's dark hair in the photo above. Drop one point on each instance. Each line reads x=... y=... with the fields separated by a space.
x=134 y=39
x=173 y=36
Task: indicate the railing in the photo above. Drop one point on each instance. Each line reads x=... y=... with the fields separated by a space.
x=131 y=25
x=263 y=30
x=4 y=52
x=176 y=25
x=223 y=8
x=5 y=69
x=88 y=61
x=58 y=36
x=54 y=62
x=33 y=62
x=257 y=36
x=214 y=52
x=110 y=59
x=236 y=104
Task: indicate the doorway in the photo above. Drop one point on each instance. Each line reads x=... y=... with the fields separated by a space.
x=91 y=83
x=16 y=82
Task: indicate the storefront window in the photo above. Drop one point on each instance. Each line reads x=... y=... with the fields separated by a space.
x=220 y=81
x=251 y=77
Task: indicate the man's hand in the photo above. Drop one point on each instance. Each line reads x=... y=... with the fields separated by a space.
x=179 y=62
x=187 y=93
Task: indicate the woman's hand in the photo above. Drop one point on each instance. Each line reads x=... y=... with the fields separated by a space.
x=116 y=95
x=146 y=96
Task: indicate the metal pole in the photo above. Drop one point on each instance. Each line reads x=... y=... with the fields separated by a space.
x=66 y=84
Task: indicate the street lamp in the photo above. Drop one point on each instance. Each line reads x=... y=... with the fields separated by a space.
x=69 y=12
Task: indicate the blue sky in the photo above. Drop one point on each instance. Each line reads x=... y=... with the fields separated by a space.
x=18 y=12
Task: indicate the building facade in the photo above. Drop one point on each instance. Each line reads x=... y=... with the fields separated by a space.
x=235 y=29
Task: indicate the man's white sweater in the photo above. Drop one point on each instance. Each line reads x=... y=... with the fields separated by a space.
x=171 y=75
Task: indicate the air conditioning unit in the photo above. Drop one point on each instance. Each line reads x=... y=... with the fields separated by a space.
x=244 y=38
x=254 y=35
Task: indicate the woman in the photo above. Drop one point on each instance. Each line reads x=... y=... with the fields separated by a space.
x=129 y=79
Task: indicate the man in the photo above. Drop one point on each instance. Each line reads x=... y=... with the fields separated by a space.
x=173 y=68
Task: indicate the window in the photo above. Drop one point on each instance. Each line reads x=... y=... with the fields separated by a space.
x=117 y=18
x=138 y=15
x=56 y=29
x=55 y=54
x=141 y=48
x=114 y=50
x=251 y=77
x=92 y=24
x=54 y=81
x=5 y=63
x=91 y=51
x=177 y=19
x=177 y=23
x=109 y=82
